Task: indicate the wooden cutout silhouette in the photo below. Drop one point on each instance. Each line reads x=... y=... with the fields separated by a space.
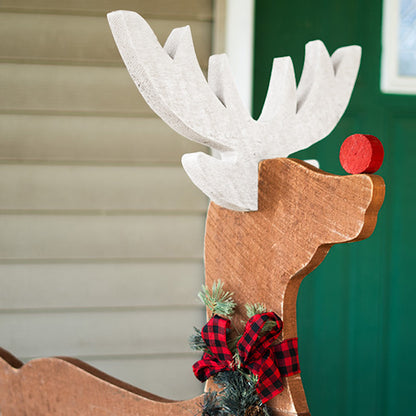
x=261 y=256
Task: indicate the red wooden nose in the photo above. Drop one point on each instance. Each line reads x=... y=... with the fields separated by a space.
x=361 y=153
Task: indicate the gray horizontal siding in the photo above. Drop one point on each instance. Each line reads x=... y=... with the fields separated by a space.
x=69 y=89
x=101 y=236
x=99 y=333
x=101 y=243
x=168 y=9
x=98 y=188
x=83 y=139
x=138 y=284
x=80 y=39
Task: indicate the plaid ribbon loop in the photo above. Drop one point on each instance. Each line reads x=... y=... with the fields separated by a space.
x=214 y=333
x=258 y=353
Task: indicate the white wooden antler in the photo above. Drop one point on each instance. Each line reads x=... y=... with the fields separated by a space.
x=213 y=114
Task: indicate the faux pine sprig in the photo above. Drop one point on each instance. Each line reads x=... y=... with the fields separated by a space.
x=196 y=342
x=210 y=404
x=218 y=301
x=238 y=396
x=254 y=308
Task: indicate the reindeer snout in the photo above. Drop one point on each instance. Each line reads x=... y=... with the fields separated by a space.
x=361 y=153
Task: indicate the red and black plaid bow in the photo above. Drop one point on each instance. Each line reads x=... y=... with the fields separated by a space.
x=258 y=354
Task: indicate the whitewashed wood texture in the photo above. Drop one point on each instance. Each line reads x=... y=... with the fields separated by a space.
x=212 y=112
x=92 y=197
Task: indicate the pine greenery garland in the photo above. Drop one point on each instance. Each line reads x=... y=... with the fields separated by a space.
x=210 y=405
x=238 y=395
x=218 y=301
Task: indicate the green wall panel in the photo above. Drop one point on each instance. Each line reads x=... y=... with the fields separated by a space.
x=355 y=312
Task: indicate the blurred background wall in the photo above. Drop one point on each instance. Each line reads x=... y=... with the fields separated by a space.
x=101 y=231
x=356 y=311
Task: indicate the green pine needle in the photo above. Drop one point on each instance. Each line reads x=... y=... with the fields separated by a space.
x=254 y=308
x=232 y=344
x=268 y=325
x=196 y=342
x=210 y=404
x=217 y=301
x=238 y=395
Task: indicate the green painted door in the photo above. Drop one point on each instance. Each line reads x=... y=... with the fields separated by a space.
x=356 y=312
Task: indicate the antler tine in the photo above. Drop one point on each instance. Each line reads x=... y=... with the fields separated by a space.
x=317 y=71
x=221 y=81
x=346 y=73
x=322 y=96
x=171 y=80
x=280 y=101
x=329 y=92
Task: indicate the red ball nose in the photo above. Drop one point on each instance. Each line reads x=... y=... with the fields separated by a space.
x=361 y=153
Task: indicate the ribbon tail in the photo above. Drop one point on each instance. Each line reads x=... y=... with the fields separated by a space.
x=282 y=361
x=286 y=356
x=269 y=383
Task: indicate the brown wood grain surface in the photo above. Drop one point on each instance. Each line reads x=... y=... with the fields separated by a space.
x=260 y=256
x=263 y=256
x=70 y=387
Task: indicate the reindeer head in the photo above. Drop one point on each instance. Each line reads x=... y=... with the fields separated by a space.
x=303 y=211
x=211 y=113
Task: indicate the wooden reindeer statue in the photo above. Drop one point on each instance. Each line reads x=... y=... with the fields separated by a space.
x=271 y=221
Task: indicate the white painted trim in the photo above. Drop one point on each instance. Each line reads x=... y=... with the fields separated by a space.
x=239 y=43
x=391 y=81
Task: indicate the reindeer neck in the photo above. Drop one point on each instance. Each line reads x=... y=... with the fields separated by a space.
x=252 y=255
